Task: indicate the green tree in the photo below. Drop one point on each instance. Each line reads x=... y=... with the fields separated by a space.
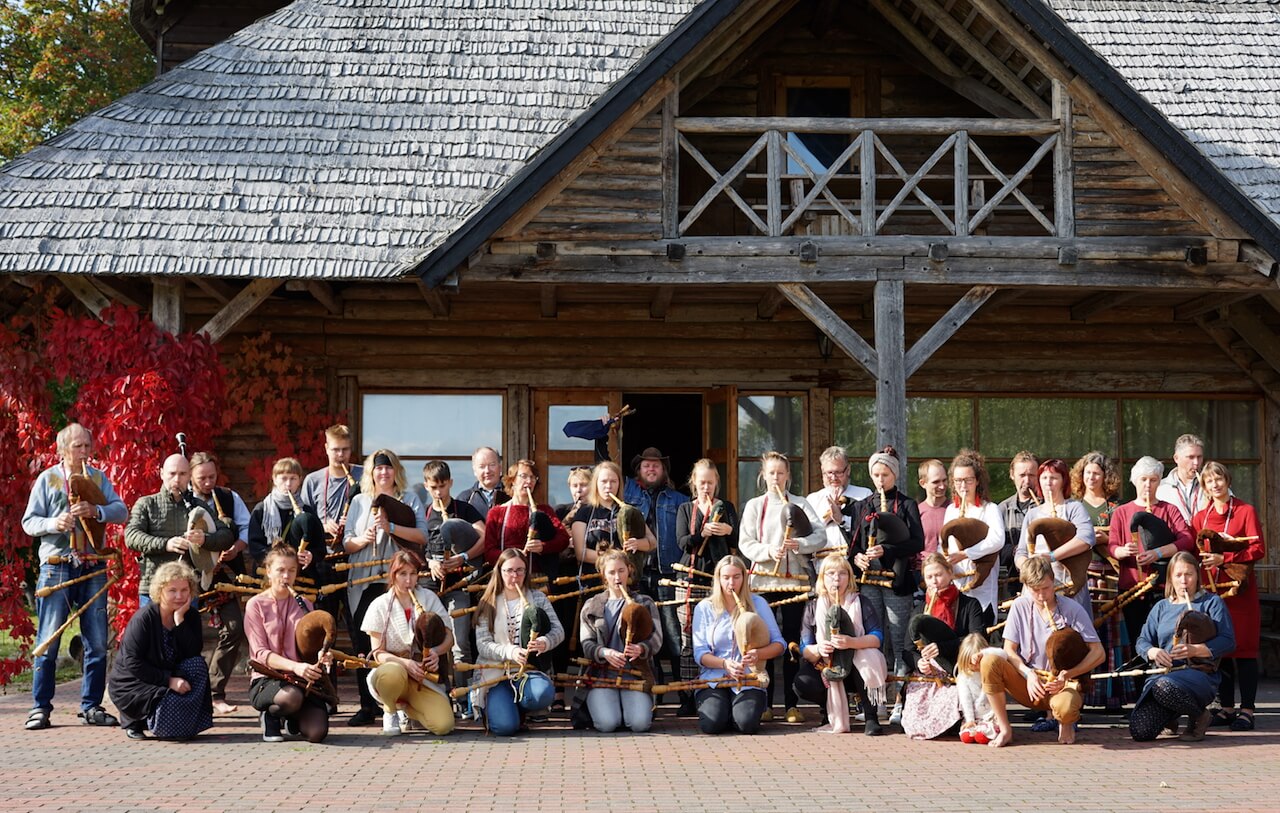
x=61 y=60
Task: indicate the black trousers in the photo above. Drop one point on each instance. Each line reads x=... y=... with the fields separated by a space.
x=361 y=643
x=719 y=709
x=809 y=685
x=790 y=617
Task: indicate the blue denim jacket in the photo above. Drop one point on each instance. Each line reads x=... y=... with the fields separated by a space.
x=664 y=520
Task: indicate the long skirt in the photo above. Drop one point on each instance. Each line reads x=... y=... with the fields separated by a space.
x=182 y=716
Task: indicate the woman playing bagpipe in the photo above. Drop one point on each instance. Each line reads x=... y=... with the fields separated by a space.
x=1229 y=536
x=972 y=534
x=411 y=636
x=708 y=529
x=734 y=633
x=1143 y=535
x=523 y=525
x=1061 y=529
x=516 y=630
x=779 y=532
x=280 y=518
x=619 y=635
x=1095 y=482
x=158 y=680
x=285 y=685
x=930 y=709
x=887 y=537
x=1185 y=637
x=841 y=638
x=1048 y=645
x=603 y=522
x=385 y=517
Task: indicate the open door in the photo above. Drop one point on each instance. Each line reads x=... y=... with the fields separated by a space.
x=556 y=454
x=720 y=435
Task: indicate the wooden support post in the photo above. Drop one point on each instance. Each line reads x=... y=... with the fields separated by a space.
x=436 y=301
x=82 y=287
x=945 y=327
x=1064 y=195
x=168 y=301
x=1206 y=304
x=891 y=378
x=962 y=184
x=670 y=164
x=519 y=427
x=830 y=323
x=1255 y=332
x=240 y=306
x=821 y=433
x=868 y=189
x=1270 y=485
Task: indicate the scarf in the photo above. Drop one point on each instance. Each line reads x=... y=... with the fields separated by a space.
x=869 y=662
x=945 y=603
x=271 y=524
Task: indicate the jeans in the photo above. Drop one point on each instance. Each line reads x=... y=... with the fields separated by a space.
x=610 y=708
x=503 y=708
x=51 y=612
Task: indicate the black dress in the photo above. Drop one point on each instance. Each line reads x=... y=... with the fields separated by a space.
x=139 y=683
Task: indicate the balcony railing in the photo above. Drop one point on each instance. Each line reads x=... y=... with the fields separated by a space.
x=777 y=187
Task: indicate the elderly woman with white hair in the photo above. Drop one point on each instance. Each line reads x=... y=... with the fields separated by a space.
x=1136 y=560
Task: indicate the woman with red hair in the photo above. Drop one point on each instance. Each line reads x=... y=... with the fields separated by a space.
x=1054 y=477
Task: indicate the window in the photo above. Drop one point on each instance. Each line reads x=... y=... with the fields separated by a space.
x=769 y=423
x=1123 y=428
x=431 y=426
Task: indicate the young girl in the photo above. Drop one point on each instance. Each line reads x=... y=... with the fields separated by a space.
x=979 y=718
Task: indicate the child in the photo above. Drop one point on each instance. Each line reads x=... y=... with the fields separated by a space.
x=979 y=718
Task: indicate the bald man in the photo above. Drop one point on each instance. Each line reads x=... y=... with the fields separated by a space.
x=158 y=525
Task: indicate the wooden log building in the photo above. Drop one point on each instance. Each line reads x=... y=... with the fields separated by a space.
x=1042 y=224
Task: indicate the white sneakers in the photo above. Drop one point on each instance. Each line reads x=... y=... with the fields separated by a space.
x=391 y=724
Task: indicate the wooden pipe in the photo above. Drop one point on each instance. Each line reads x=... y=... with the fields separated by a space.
x=583 y=592
x=262 y=571
x=586 y=577
x=594 y=664
x=939 y=681
x=341 y=566
x=53 y=588
x=79 y=611
x=692 y=571
x=111 y=554
x=333 y=588
x=793 y=600
x=590 y=682
x=1118 y=603
x=753 y=679
x=476 y=667
x=684 y=584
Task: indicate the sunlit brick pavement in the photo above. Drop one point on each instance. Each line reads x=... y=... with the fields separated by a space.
x=552 y=768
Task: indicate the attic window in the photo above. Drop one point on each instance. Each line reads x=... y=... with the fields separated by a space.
x=818 y=97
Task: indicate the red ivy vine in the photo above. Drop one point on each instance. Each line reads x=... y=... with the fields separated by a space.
x=267 y=384
x=135 y=388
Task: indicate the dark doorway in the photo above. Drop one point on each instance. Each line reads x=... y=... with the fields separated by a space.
x=672 y=422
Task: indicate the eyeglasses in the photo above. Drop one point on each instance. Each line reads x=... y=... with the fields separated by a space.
x=834 y=475
x=507 y=571
x=959 y=480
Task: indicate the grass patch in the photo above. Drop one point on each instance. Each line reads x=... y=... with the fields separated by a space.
x=67 y=668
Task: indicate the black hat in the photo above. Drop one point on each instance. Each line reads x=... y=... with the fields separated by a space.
x=650 y=453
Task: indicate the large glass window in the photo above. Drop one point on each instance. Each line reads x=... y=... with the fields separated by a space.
x=431 y=426
x=769 y=423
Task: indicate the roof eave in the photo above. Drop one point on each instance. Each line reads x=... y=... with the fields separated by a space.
x=1162 y=134
x=557 y=155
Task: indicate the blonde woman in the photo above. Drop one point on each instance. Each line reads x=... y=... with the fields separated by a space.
x=714 y=649
x=499 y=616
x=603 y=644
x=858 y=631
x=763 y=543
x=371 y=536
x=401 y=676
x=595 y=524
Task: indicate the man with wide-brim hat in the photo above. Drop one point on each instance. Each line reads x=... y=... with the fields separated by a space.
x=651 y=493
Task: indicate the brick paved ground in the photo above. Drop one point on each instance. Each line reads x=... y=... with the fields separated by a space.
x=552 y=768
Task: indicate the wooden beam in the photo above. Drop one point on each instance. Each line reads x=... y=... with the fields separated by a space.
x=1002 y=73
x=1022 y=39
x=1185 y=193
x=1262 y=262
x=217 y=289
x=830 y=323
x=1103 y=301
x=1272 y=298
x=549 y=307
x=1064 y=195
x=768 y=305
x=1223 y=337
x=168 y=303
x=891 y=376
x=660 y=304
x=1202 y=305
x=670 y=165
x=741 y=43
x=916 y=38
x=1256 y=333
x=324 y=294
x=435 y=299
x=594 y=150
x=86 y=292
x=240 y=306
x=116 y=292
x=945 y=327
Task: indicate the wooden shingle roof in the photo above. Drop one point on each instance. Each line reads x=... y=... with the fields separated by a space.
x=1211 y=68
x=333 y=139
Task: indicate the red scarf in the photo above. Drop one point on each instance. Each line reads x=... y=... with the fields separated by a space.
x=944 y=605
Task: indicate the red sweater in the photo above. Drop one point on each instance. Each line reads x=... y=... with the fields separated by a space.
x=1118 y=536
x=507 y=526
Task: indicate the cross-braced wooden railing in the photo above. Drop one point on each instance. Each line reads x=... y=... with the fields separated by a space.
x=793 y=188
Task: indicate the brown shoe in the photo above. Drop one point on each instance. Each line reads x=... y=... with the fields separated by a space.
x=1195 y=731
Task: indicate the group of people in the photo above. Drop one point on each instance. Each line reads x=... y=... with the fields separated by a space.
x=648 y=591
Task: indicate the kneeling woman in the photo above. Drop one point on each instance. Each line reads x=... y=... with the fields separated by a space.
x=509 y=610
x=158 y=680
x=841 y=635
x=1164 y=643
x=270 y=621
x=400 y=679
x=605 y=642
x=723 y=662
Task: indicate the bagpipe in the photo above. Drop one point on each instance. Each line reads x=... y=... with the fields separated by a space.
x=968 y=532
x=313 y=636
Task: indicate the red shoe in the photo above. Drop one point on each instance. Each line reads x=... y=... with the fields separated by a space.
x=966 y=737
x=980 y=738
